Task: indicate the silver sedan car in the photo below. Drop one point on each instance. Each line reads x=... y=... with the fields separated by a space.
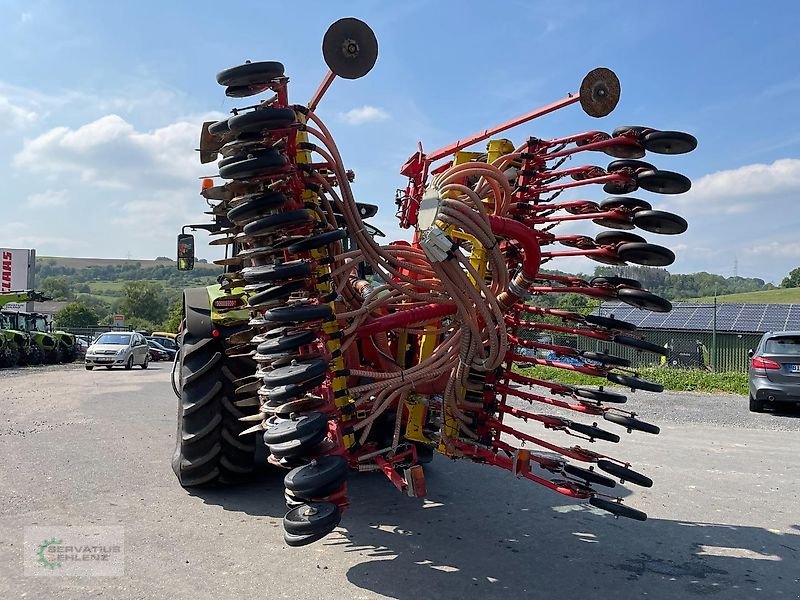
x=118 y=349
x=775 y=370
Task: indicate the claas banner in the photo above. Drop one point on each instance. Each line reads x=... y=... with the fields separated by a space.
x=16 y=271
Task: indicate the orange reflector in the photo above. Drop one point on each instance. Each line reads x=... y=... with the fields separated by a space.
x=215 y=333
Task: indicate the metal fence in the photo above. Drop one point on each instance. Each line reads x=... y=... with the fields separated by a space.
x=687 y=349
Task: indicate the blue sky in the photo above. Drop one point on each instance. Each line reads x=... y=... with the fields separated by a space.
x=101 y=104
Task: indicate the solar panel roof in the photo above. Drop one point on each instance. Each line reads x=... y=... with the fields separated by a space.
x=741 y=318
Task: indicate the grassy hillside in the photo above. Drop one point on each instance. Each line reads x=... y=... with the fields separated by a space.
x=82 y=263
x=779 y=296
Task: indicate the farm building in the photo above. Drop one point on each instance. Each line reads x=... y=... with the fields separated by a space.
x=704 y=335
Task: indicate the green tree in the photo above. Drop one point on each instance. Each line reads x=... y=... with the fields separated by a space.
x=176 y=315
x=98 y=305
x=76 y=314
x=792 y=280
x=144 y=300
x=59 y=287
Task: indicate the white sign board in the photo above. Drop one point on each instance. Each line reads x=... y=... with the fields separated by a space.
x=16 y=272
x=119 y=321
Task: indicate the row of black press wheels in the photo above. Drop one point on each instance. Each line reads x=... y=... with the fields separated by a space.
x=283 y=247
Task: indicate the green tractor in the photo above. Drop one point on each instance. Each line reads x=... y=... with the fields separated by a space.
x=16 y=343
x=58 y=346
x=15 y=328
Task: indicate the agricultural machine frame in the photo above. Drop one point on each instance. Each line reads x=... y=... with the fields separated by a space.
x=343 y=355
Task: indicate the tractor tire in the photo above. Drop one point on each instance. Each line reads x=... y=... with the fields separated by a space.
x=69 y=355
x=12 y=358
x=36 y=357
x=53 y=357
x=208 y=448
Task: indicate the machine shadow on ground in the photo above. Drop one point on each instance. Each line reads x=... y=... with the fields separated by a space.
x=483 y=534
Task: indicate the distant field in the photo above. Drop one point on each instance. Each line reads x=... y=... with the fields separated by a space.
x=779 y=296
x=82 y=263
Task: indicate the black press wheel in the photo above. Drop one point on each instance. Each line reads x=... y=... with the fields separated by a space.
x=279 y=395
x=298 y=372
x=600 y=395
x=594 y=432
x=317 y=241
x=669 y=142
x=263 y=119
x=622 y=186
x=609 y=323
x=251 y=73
x=296 y=269
x=617 y=508
x=612 y=238
x=644 y=300
x=634 y=382
x=614 y=281
x=631 y=130
x=625 y=202
x=283 y=220
x=252 y=206
x=635 y=165
x=649 y=255
x=276 y=293
x=604 y=358
x=640 y=344
x=317 y=479
x=659 y=221
x=663 y=182
x=299 y=313
x=589 y=476
x=258 y=166
x=286 y=343
x=312 y=518
x=624 y=473
x=219 y=127
x=284 y=430
x=631 y=423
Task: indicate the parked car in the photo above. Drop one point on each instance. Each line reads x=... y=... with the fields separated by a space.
x=82 y=345
x=775 y=370
x=158 y=352
x=168 y=340
x=118 y=349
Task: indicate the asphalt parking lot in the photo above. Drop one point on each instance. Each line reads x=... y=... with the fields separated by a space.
x=85 y=448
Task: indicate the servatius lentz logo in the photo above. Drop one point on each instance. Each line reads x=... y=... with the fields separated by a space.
x=47 y=554
x=74 y=551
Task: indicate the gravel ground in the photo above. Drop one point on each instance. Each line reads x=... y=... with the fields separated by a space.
x=85 y=448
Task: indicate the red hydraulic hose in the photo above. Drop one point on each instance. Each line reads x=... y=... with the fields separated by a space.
x=527 y=238
x=404 y=318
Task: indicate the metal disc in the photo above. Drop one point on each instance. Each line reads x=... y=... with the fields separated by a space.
x=350 y=48
x=599 y=92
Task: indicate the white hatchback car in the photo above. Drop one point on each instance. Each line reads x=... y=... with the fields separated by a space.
x=118 y=349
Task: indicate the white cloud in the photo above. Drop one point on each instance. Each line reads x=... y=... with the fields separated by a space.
x=782 y=249
x=47 y=199
x=754 y=180
x=13 y=115
x=364 y=114
x=110 y=152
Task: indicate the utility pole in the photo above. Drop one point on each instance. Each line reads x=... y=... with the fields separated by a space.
x=714 y=335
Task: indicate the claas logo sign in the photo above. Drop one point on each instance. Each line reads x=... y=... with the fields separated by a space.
x=7 y=270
